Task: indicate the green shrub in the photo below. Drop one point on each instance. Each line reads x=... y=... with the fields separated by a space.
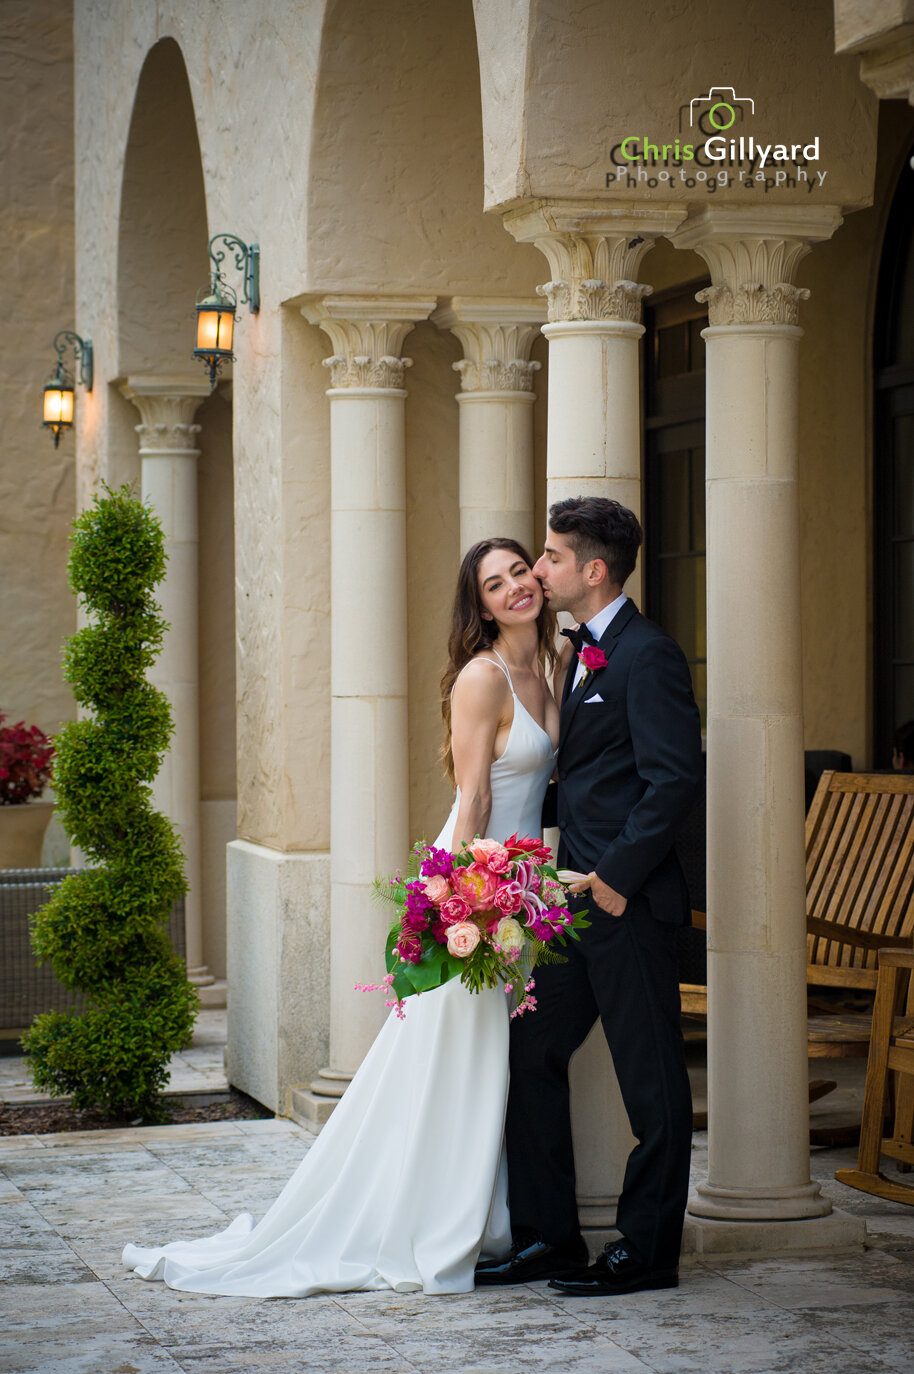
x=103 y=931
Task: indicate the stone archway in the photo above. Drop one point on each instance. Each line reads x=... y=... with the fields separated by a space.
x=184 y=466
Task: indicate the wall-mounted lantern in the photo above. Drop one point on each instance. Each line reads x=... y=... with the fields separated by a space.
x=216 y=308
x=58 y=405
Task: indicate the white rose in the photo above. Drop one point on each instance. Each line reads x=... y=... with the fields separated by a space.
x=510 y=936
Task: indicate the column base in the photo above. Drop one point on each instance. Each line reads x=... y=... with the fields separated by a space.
x=759 y=1204
x=331 y=1083
x=310 y=1109
x=705 y=1238
x=213 y=996
x=597 y=1214
x=200 y=977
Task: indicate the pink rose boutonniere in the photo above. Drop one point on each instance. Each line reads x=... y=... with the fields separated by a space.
x=593 y=658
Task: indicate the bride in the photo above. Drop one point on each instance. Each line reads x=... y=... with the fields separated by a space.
x=406 y=1186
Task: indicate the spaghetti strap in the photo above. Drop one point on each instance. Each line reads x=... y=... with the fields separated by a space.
x=501 y=665
x=505 y=666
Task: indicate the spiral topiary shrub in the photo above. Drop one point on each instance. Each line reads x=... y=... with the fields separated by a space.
x=103 y=931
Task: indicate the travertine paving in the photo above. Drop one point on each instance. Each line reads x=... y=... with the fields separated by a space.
x=69 y=1202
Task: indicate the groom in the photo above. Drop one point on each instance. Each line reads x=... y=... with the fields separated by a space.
x=628 y=762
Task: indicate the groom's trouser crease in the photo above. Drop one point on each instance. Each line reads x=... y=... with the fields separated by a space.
x=624 y=970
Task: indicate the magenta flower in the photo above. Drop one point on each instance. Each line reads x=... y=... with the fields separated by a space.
x=437 y=862
x=592 y=657
x=409 y=947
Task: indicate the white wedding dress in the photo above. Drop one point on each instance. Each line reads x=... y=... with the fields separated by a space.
x=406 y=1185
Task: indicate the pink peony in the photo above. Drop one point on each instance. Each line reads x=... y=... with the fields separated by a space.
x=462 y=939
x=456 y=908
x=491 y=855
x=509 y=898
x=437 y=889
x=477 y=885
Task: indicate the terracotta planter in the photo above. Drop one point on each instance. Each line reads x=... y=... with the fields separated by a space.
x=22 y=833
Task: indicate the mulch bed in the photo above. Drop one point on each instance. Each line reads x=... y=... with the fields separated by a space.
x=51 y=1117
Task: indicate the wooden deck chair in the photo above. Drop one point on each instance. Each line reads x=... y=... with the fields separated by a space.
x=891 y=1050
x=859 y=884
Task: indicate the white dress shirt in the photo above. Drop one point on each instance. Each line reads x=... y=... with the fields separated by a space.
x=597 y=626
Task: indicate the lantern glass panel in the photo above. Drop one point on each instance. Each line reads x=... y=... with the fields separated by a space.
x=58 y=405
x=214 y=330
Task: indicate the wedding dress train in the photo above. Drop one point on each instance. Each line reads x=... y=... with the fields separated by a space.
x=406 y=1184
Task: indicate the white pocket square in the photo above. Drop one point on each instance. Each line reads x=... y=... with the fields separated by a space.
x=588 y=700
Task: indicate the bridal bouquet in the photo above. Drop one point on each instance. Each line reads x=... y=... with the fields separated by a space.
x=487 y=914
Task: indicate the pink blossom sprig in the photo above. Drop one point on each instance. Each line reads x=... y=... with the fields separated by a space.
x=528 y=1003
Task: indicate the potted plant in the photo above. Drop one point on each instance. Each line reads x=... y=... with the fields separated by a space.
x=25 y=767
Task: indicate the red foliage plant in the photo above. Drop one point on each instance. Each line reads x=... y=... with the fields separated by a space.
x=25 y=762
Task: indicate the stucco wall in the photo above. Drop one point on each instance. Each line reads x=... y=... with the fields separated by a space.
x=36 y=233
x=561 y=92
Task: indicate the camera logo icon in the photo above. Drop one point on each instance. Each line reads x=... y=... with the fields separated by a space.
x=720 y=107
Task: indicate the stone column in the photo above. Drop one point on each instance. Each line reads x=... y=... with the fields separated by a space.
x=369 y=814
x=594 y=251
x=594 y=297
x=496 y=414
x=169 y=482
x=757 y=1060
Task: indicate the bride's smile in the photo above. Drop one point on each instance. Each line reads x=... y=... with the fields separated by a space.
x=508 y=590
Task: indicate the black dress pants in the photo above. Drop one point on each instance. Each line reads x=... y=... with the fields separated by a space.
x=624 y=970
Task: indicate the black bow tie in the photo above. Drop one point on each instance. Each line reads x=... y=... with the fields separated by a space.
x=579 y=637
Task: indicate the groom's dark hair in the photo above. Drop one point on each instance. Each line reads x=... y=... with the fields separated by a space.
x=599 y=528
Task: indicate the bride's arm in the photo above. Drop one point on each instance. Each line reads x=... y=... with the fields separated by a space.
x=478 y=708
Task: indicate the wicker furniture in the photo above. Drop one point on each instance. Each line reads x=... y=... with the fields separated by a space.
x=27 y=987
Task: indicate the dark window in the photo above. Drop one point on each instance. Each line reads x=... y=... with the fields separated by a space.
x=893 y=475
x=674 y=524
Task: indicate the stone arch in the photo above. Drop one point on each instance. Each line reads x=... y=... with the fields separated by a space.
x=396 y=194
x=162 y=264
x=162 y=235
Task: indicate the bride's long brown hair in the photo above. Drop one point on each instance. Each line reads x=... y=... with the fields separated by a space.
x=470 y=634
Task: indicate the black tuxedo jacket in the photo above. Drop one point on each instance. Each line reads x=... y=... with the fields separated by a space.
x=629 y=761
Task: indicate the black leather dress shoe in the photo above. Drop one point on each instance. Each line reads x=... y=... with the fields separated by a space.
x=616 y=1271
x=531 y=1258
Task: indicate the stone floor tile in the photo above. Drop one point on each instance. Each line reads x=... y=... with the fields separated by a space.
x=768 y=1343
x=29 y=1307
x=883 y=1333
x=43 y=1266
x=347 y=1355
x=67 y=1353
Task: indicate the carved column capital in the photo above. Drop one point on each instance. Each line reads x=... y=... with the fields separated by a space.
x=496 y=335
x=167 y=406
x=594 y=251
x=753 y=259
x=367 y=333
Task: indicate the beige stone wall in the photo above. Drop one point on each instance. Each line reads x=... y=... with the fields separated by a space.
x=36 y=239
x=560 y=92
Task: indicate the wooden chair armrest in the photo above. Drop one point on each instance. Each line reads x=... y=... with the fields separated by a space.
x=860 y=939
x=896 y=958
x=699 y=919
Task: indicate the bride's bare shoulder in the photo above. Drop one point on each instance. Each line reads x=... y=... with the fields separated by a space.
x=481 y=681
